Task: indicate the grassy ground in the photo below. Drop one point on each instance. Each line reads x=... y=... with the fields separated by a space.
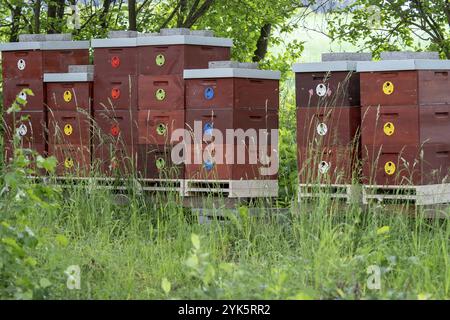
x=322 y=250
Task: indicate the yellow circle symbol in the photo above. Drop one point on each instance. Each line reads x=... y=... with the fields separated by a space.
x=389 y=128
x=160 y=94
x=68 y=129
x=67 y=96
x=160 y=60
x=388 y=88
x=68 y=163
x=390 y=168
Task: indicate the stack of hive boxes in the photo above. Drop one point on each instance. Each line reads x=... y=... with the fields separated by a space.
x=405 y=119
x=115 y=103
x=162 y=58
x=328 y=119
x=69 y=118
x=24 y=64
x=139 y=96
x=232 y=96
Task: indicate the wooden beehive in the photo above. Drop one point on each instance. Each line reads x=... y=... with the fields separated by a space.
x=174 y=50
x=328 y=119
x=69 y=117
x=405 y=121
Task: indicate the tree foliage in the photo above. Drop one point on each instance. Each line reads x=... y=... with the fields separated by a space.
x=394 y=24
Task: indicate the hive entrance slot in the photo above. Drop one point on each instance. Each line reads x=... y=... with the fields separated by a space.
x=209 y=185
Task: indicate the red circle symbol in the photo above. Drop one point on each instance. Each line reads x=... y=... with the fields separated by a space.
x=115 y=62
x=115 y=93
x=115 y=130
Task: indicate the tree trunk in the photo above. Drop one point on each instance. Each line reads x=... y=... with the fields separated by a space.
x=182 y=13
x=194 y=15
x=55 y=13
x=15 y=23
x=37 y=16
x=132 y=15
x=263 y=43
x=104 y=14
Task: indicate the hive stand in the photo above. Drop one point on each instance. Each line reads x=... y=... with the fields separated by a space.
x=328 y=124
x=405 y=128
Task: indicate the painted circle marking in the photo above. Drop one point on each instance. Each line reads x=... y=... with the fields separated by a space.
x=161 y=129
x=208 y=129
x=160 y=94
x=22 y=95
x=115 y=130
x=67 y=96
x=160 y=163
x=115 y=62
x=324 y=167
x=68 y=129
x=389 y=129
x=322 y=129
x=390 y=168
x=160 y=60
x=21 y=64
x=68 y=163
x=321 y=90
x=209 y=93
x=208 y=165
x=388 y=88
x=22 y=130
x=115 y=93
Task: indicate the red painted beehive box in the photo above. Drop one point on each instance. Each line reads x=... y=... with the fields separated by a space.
x=164 y=92
x=155 y=162
x=254 y=123
x=116 y=55
x=232 y=87
x=405 y=121
x=115 y=81
x=29 y=60
x=211 y=161
x=69 y=120
x=115 y=137
x=114 y=160
x=30 y=126
x=173 y=50
x=156 y=127
x=410 y=82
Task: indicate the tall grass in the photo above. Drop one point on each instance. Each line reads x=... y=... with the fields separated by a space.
x=320 y=250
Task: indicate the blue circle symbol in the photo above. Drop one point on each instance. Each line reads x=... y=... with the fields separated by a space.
x=208 y=165
x=208 y=129
x=209 y=93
